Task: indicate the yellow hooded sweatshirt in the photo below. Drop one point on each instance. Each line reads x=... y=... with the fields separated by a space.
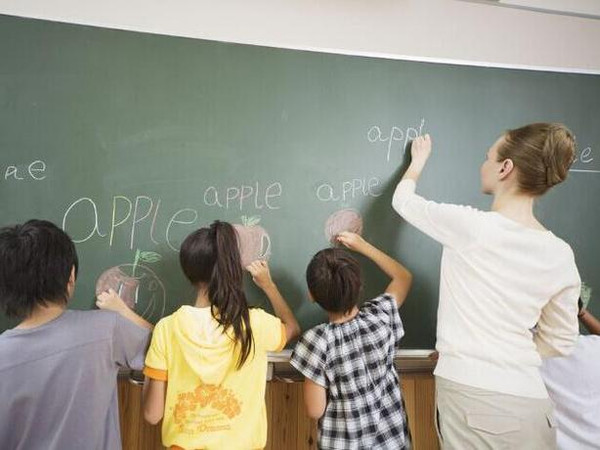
x=210 y=403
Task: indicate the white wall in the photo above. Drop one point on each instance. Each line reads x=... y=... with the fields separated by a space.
x=414 y=29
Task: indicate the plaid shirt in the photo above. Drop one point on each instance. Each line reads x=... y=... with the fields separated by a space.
x=354 y=361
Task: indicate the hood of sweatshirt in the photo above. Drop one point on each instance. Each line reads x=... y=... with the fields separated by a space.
x=208 y=351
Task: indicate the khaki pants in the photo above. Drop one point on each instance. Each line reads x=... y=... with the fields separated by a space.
x=472 y=418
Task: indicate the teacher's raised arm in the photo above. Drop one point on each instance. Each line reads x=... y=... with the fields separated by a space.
x=455 y=226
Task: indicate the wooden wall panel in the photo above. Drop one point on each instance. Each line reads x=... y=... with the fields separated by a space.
x=423 y=429
x=283 y=428
x=289 y=427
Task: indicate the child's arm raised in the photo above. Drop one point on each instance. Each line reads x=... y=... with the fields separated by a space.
x=110 y=300
x=262 y=277
x=401 y=277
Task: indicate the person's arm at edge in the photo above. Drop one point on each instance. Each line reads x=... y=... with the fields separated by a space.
x=589 y=321
x=401 y=277
x=315 y=399
x=262 y=277
x=154 y=400
x=109 y=300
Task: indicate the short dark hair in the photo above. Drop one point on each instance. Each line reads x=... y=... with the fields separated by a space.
x=36 y=259
x=334 y=279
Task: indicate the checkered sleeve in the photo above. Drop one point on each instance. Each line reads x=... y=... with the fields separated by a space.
x=310 y=356
x=386 y=308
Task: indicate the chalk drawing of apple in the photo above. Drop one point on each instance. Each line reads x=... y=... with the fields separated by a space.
x=343 y=220
x=138 y=285
x=253 y=240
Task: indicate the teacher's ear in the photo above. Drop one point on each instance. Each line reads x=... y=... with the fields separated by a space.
x=506 y=169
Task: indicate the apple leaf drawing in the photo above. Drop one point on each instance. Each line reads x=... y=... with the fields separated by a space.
x=150 y=257
x=145 y=257
x=250 y=221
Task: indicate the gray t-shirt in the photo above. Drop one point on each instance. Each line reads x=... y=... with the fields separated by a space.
x=58 y=381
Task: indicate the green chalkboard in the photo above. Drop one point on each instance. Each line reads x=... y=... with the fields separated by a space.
x=132 y=140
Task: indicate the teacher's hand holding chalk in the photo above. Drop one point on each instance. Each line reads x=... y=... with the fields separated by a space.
x=420 y=150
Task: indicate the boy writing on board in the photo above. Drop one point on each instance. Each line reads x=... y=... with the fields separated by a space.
x=59 y=367
x=351 y=385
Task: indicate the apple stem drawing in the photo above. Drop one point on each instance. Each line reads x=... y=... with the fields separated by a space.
x=140 y=256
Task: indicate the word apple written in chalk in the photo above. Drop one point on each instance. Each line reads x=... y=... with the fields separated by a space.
x=84 y=220
x=244 y=196
x=386 y=138
x=348 y=189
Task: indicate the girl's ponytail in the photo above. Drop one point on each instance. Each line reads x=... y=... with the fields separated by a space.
x=225 y=288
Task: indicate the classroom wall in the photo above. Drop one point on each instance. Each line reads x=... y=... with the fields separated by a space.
x=415 y=29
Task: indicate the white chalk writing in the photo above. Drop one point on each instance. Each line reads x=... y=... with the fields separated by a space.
x=244 y=196
x=36 y=171
x=348 y=189
x=129 y=216
x=396 y=134
x=585 y=161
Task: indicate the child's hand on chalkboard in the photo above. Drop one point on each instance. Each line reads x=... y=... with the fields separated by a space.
x=352 y=241
x=260 y=274
x=420 y=150
x=110 y=300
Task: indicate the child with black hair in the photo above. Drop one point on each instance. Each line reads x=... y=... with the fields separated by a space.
x=59 y=367
x=351 y=384
x=207 y=365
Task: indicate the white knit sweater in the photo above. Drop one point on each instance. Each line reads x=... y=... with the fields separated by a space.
x=499 y=279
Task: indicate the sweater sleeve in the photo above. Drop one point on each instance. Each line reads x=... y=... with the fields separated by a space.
x=557 y=329
x=454 y=226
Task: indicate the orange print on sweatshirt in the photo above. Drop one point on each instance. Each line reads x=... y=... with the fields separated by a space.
x=207 y=408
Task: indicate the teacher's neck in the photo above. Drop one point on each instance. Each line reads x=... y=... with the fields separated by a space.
x=517 y=207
